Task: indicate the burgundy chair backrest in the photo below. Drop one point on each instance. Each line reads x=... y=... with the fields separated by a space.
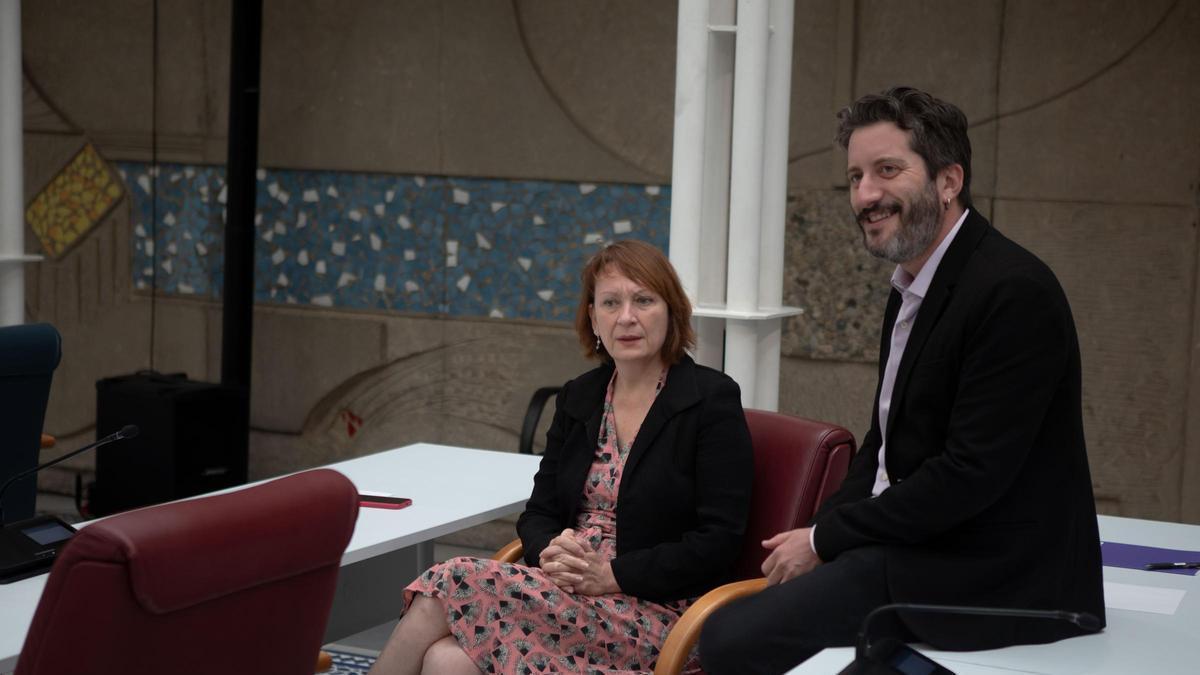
x=234 y=583
x=798 y=462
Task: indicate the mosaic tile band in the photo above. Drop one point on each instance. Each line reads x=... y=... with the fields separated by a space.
x=458 y=246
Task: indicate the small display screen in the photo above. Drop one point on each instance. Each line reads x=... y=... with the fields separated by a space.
x=911 y=663
x=47 y=533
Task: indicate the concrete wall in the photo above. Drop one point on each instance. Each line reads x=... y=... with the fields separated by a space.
x=1084 y=119
x=1085 y=151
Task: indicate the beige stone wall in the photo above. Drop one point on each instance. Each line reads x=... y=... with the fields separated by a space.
x=1085 y=151
x=1084 y=119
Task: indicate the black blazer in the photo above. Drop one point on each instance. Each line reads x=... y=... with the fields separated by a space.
x=684 y=495
x=991 y=497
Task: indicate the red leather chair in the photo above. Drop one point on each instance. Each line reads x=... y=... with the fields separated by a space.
x=234 y=583
x=798 y=462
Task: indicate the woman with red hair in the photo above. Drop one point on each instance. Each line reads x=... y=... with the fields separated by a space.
x=638 y=506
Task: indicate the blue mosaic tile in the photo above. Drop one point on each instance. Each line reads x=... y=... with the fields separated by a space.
x=461 y=246
x=187 y=248
x=515 y=249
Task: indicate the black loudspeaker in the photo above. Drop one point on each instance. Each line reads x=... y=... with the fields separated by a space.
x=193 y=440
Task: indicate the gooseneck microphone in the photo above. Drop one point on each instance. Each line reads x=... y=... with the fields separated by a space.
x=29 y=547
x=127 y=431
x=891 y=656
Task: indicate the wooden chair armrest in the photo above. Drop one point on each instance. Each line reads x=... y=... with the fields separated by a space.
x=324 y=662
x=48 y=441
x=686 y=631
x=511 y=553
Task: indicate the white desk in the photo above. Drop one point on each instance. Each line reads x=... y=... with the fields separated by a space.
x=1133 y=642
x=451 y=488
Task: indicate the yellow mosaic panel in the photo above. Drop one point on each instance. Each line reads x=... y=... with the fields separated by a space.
x=74 y=202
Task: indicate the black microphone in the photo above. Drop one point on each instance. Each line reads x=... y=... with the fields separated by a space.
x=29 y=547
x=890 y=656
x=127 y=431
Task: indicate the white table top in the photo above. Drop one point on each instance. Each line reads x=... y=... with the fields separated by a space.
x=452 y=488
x=1133 y=641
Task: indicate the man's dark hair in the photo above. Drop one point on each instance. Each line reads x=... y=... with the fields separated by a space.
x=939 y=129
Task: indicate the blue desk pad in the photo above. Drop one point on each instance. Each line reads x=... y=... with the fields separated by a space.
x=1134 y=557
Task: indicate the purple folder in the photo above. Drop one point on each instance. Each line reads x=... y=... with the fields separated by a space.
x=1134 y=557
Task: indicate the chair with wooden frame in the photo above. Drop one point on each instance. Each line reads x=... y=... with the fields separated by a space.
x=798 y=462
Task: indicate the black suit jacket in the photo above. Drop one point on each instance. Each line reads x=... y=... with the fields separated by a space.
x=684 y=495
x=991 y=497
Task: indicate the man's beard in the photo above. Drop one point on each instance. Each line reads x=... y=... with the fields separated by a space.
x=919 y=225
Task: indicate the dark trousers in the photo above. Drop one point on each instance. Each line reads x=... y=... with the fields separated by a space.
x=772 y=631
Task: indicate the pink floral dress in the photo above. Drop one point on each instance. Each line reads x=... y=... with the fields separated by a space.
x=513 y=619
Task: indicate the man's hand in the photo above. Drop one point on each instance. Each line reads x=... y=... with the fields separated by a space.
x=572 y=564
x=791 y=556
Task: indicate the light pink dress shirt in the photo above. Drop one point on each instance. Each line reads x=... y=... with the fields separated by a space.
x=912 y=293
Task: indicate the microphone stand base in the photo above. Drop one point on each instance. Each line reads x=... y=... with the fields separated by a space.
x=892 y=657
x=29 y=547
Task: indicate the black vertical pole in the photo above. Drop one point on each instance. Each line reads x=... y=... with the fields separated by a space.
x=238 y=315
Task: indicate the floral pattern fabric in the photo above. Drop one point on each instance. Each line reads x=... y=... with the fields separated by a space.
x=512 y=618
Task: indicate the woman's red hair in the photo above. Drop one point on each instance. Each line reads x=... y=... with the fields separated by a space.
x=647 y=266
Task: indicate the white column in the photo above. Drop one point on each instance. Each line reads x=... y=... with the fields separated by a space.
x=714 y=221
x=772 y=242
x=741 y=338
x=746 y=163
x=740 y=210
x=687 y=161
x=745 y=192
x=775 y=155
x=766 y=366
x=12 y=188
x=700 y=165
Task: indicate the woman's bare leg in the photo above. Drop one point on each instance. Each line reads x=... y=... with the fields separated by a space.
x=423 y=624
x=445 y=657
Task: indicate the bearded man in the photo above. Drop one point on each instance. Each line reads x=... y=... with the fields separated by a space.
x=972 y=486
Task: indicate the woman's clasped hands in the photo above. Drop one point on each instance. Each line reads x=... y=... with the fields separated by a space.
x=570 y=562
